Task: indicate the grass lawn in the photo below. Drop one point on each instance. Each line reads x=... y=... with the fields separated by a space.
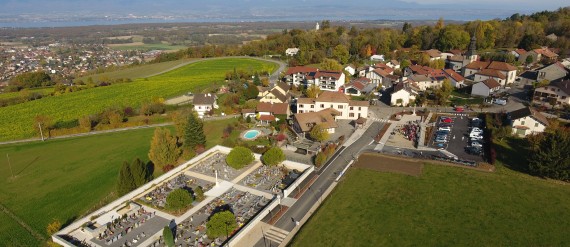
x=64 y=179
x=12 y=234
x=445 y=206
x=136 y=72
x=18 y=120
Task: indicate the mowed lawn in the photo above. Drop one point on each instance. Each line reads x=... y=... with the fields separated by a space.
x=446 y=206
x=64 y=179
x=18 y=120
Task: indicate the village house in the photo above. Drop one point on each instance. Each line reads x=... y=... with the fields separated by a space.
x=394 y=64
x=278 y=94
x=402 y=95
x=291 y=51
x=204 y=103
x=306 y=76
x=518 y=53
x=455 y=78
x=351 y=69
x=555 y=94
x=298 y=75
x=540 y=54
x=552 y=72
x=359 y=86
x=347 y=108
x=433 y=54
x=485 y=88
x=458 y=60
x=502 y=72
x=304 y=122
x=527 y=121
x=269 y=112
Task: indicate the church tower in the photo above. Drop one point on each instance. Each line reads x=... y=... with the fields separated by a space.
x=317 y=27
x=472 y=51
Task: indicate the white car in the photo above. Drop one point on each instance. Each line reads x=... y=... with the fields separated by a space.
x=445 y=128
x=500 y=101
x=476 y=137
x=476 y=144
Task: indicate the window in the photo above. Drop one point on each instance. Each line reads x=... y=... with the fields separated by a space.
x=199 y=108
x=331 y=106
x=300 y=111
x=351 y=108
x=312 y=106
x=351 y=114
x=322 y=105
x=522 y=122
x=359 y=108
x=339 y=106
x=536 y=125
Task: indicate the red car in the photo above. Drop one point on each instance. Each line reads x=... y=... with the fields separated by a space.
x=459 y=109
x=446 y=120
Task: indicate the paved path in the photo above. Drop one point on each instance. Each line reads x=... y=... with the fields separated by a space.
x=327 y=176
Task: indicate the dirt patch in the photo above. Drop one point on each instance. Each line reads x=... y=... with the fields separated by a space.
x=384 y=163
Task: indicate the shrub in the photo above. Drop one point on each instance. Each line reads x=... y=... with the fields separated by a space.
x=178 y=199
x=239 y=157
x=320 y=159
x=168 y=236
x=221 y=224
x=273 y=156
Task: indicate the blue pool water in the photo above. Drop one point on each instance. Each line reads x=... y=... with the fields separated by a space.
x=251 y=134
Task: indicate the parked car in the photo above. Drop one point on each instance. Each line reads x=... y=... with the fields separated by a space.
x=459 y=109
x=446 y=120
x=445 y=125
x=444 y=128
x=476 y=135
x=440 y=140
x=474 y=150
x=477 y=138
x=500 y=101
x=475 y=144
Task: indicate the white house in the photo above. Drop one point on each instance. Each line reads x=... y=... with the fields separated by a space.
x=326 y=80
x=558 y=93
x=485 y=88
x=298 y=75
x=377 y=58
x=527 y=121
x=347 y=108
x=492 y=69
x=204 y=103
x=278 y=94
x=350 y=69
x=433 y=54
x=455 y=78
x=394 y=64
x=402 y=95
x=291 y=51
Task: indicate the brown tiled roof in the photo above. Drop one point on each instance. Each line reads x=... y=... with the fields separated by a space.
x=282 y=97
x=247 y=110
x=330 y=96
x=546 y=52
x=491 y=83
x=204 y=99
x=333 y=74
x=433 y=53
x=284 y=86
x=456 y=76
x=456 y=58
x=300 y=69
x=501 y=66
x=275 y=108
x=395 y=62
x=359 y=103
x=267 y=117
x=492 y=73
x=456 y=52
x=309 y=119
x=305 y=101
x=526 y=112
x=520 y=51
x=478 y=65
x=381 y=72
x=357 y=84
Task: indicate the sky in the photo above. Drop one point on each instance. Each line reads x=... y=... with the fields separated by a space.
x=13 y=11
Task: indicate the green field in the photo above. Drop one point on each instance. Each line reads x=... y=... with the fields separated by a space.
x=64 y=179
x=44 y=90
x=12 y=234
x=446 y=206
x=17 y=120
x=136 y=72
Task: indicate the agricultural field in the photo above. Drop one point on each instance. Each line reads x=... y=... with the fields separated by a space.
x=18 y=120
x=445 y=206
x=44 y=91
x=47 y=187
x=136 y=72
x=146 y=47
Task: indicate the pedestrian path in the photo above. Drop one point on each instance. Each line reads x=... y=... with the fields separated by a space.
x=381 y=120
x=275 y=234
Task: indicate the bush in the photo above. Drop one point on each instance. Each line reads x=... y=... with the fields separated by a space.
x=239 y=157
x=199 y=193
x=273 y=156
x=178 y=199
x=168 y=236
x=320 y=159
x=221 y=224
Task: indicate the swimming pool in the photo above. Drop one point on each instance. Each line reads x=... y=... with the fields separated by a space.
x=251 y=134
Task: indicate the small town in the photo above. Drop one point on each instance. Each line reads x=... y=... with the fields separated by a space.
x=446 y=133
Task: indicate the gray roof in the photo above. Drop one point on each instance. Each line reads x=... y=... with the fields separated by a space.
x=204 y=99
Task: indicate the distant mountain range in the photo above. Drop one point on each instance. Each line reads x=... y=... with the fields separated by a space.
x=75 y=12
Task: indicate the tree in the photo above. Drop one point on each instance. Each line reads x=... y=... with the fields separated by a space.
x=319 y=133
x=85 y=123
x=178 y=199
x=239 y=157
x=320 y=159
x=330 y=65
x=529 y=59
x=256 y=80
x=551 y=159
x=199 y=193
x=407 y=27
x=313 y=91
x=126 y=181
x=139 y=172
x=163 y=148
x=251 y=92
x=194 y=134
x=341 y=54
x=221 y=224
x=405 y=63
x=168 y=236
x=180 y=119
x=53 y=227
x=440 y=24
x=443 y=92
x=273 y=156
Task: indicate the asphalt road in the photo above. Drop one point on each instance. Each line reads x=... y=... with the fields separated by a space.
x=324 y=180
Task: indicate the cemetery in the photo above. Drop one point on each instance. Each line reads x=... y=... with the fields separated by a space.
x=140 y=217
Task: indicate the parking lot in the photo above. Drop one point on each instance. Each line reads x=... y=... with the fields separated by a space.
x=457 y=138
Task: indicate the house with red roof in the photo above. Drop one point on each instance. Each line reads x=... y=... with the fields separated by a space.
x=307 y=76
x=359 y=86
x=502 y=72
x=485 y=88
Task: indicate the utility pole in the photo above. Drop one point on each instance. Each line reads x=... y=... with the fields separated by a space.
x=41 y=132
x=10 y=165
